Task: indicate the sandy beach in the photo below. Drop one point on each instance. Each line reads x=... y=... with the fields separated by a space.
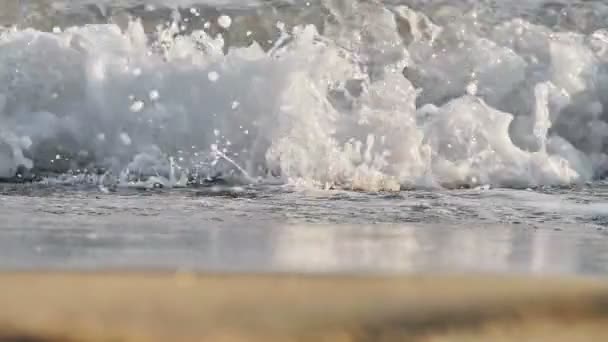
x=189 y=307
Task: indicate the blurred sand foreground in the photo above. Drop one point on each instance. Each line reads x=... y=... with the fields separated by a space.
x=184 y=307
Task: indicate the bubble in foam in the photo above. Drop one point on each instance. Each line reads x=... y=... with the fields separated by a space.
x=153 y=95
x=194 y=11
x=224 y=21
x=125 y=139
x=213 y=76
x=137 y=106
x=472 y=88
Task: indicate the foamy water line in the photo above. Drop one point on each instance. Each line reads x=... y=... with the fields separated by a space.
x=367 y=96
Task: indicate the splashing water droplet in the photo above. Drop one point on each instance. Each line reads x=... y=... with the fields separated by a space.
x=137 y=106
x=154 y=95
x=213 y=76
x=224 y=21
x=125 y=139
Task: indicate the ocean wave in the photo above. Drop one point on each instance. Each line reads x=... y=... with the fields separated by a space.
x=339 y=93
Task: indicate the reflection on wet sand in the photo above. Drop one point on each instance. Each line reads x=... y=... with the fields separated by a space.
x=272 y=247
x=437 y=249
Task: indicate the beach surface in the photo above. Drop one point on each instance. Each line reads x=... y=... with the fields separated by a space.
x=131 y=306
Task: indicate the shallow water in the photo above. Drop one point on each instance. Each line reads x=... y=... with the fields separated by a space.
x=344 y=135
x=277 y=230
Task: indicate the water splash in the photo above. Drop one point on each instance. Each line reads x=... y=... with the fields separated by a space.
x=373 y=97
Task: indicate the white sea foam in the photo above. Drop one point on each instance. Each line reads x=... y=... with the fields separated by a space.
x=382 y=98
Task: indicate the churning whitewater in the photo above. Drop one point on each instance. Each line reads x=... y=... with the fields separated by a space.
x=353 y=94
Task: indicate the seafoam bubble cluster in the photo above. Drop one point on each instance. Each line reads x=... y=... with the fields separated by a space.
x=379 y=98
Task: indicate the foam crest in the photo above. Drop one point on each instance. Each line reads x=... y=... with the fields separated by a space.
x=377 y=98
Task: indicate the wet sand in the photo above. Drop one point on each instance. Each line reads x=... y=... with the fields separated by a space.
x=189 y=307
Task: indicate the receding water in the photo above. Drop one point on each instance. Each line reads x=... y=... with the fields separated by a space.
x=559 y=231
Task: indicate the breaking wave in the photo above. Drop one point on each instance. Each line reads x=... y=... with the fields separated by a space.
x=338 y=93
